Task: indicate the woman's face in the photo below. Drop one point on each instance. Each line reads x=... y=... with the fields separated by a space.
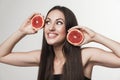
x=55 y=32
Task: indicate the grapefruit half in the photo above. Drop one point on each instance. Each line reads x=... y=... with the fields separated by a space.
x=37 y=21
x=75 y=37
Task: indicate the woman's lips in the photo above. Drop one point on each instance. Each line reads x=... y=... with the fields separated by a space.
x=52 y=35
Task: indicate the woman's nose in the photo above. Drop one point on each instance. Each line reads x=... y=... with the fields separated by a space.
x=52 y=27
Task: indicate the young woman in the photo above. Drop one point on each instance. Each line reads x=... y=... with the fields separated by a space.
x=58 y=59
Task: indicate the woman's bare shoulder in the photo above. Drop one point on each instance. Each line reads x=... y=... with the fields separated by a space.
x=90 y=50
x=87 y=53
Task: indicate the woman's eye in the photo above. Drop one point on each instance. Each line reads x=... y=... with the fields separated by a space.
x=59 y=22
x=47 y=22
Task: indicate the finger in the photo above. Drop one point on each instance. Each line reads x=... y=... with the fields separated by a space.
x=85 y=29
x=90 y=32
x=35 y=29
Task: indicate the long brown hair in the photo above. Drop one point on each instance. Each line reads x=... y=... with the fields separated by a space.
x=73 y=68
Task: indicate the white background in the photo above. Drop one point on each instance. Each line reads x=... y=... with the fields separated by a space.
x=103 y=16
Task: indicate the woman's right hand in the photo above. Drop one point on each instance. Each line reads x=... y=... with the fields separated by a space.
x=26 y=28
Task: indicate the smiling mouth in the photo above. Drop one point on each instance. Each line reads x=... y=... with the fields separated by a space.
x=52 y=35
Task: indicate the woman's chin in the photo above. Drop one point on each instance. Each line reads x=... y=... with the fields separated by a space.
x=51 y=43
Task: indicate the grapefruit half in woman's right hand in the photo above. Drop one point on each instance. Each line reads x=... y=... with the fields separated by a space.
x=37 y=21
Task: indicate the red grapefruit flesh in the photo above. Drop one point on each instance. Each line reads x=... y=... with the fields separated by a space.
x=75 y=37
x=37 y=21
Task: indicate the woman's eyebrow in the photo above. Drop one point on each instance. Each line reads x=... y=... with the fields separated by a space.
x=56 y=19
x=60 y=19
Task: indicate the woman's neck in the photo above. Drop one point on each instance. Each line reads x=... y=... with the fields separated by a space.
x=59 y=53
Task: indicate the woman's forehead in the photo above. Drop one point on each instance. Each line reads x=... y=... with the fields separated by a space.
x=55 y=14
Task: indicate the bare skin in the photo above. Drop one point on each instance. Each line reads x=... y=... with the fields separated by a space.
x=55 y=36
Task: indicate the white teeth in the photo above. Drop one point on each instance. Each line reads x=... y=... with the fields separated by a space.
x=52 y=35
